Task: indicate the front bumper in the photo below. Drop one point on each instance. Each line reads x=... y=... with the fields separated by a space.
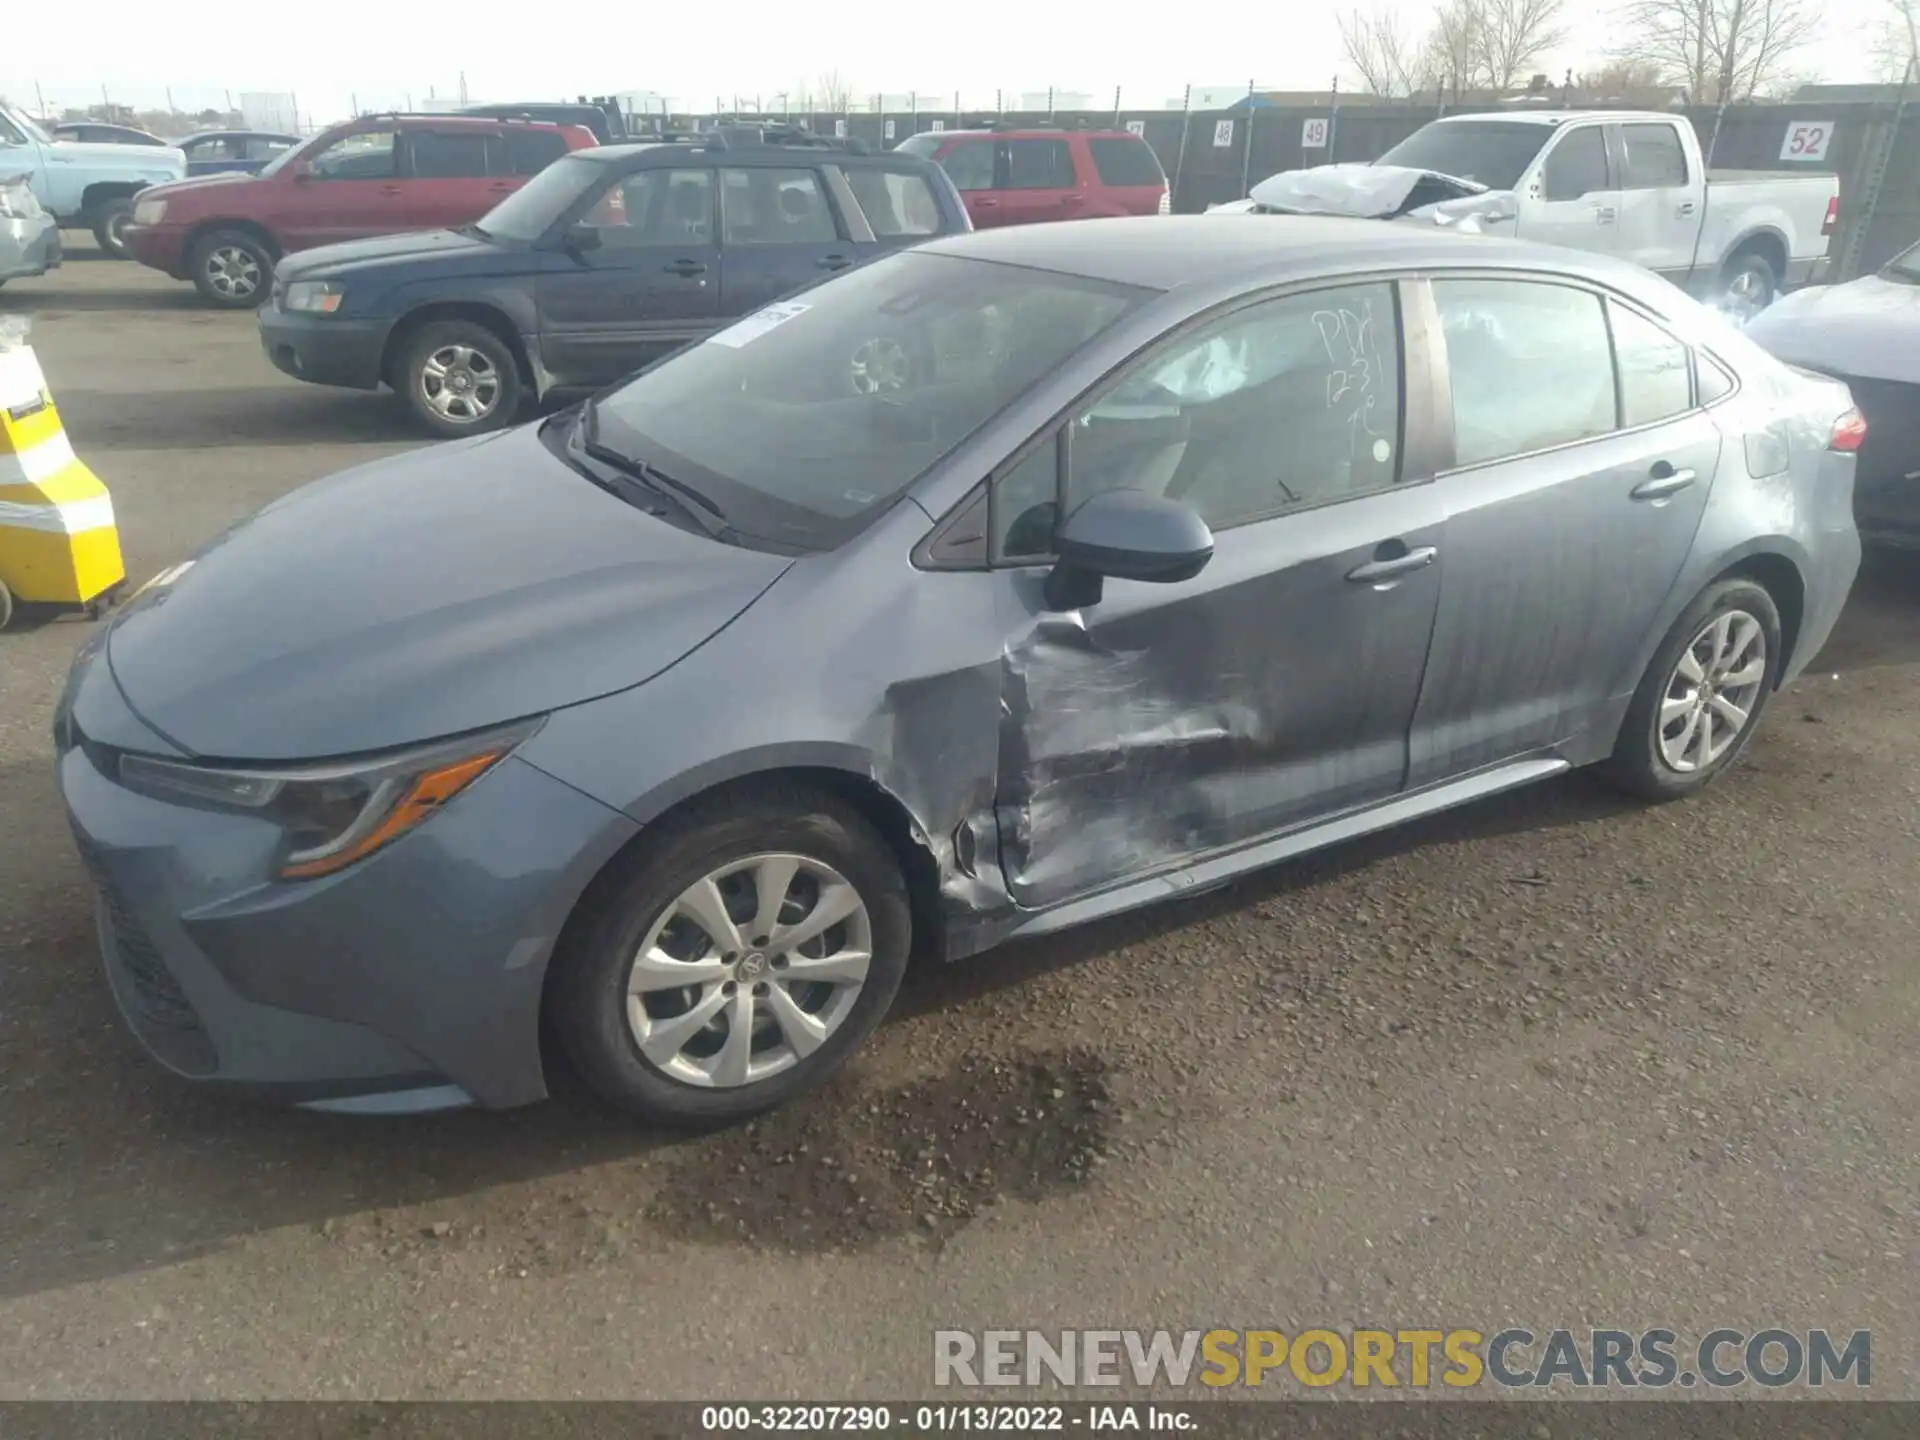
x=409 y=981
x=29 y=247
x=325 y=349
x=159 y=247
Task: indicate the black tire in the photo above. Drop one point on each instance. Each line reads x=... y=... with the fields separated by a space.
x=1748 y=284
x=492 y=359
x=588 y=998
x=232 y=268
x=108 y=220
x=6 y=606
x=1637 y=765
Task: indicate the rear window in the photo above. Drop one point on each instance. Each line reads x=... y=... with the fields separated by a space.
x=1655 y=159
x=531 y=151
x=895 y=202
x=1039 y=165
x=1126 y=161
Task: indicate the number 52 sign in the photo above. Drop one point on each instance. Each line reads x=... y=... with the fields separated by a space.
x=1806 y=140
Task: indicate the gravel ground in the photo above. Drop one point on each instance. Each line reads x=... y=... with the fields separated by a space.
x=1553 y=1060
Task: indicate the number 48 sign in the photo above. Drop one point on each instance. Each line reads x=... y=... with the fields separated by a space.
x=1807 y=140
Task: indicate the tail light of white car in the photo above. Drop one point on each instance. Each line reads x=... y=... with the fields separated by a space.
x=1832 y=222
x=1849 y=432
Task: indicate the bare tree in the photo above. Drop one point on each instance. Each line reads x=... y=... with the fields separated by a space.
x=1514 y=35
x=1895 y=41
x=1454 y=54
x=833 y=93
x=1624 y=77
x=1381 y=50
x=1719 y=49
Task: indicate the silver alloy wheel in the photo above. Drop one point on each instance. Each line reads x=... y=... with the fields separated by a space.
x=233 y=272
x=1746 y=295
x=749 y=970
x=879 y=366
x=460 y=384
x=1711 y=695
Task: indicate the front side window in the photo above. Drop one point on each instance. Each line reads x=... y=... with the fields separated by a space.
x=1039 y=165
x=1291 y=403
x=805 y=420
x=1531 y=366
x=895 y=202
x=1577 y=166
x=437 y=155
x=774 y=207
x=266 y=147
x=1655 y=158
x=1656 y=380
x=367 y=155
x=656 y=207
x=970 y=165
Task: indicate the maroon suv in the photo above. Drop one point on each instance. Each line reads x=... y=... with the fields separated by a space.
x=1022 y=177
x=372 y=176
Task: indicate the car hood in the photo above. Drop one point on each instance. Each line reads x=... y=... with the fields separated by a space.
x=1368 y=192
x=1868 y=328
x=445 y=249
x=455 y=587
x=147 y=162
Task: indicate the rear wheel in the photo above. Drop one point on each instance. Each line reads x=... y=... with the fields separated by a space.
x=459 y=378
x=737 y=961
x=6 y=605
x=1701 y=698
x=231 y=268
x=1747 y=285
x=110 y=222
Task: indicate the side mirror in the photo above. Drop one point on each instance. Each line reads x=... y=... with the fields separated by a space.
x=302 y=173
x=1126 y=535
x=582 y=239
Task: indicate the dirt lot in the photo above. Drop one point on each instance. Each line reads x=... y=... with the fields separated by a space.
x=1554 y=1060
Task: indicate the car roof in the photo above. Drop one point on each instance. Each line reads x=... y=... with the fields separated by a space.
x=782 y=156
x=1164 y=252
x=1553 y=117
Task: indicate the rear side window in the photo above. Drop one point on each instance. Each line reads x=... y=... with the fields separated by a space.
x=1656 y=380
x=1714 y=382
x=969 y=165
x=895 y=203
x=1531 y=366
x=1655 y=158
x=774 y=207
x=1123 y=162
x=1577 y=166
x=261 y=147
x=1039 y=165
x=531 y=151
x=440 y=156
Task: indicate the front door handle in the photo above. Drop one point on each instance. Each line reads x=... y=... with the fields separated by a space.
x=686 y=268
x=985 y=202
x=834 y=262
x=389 y=189
x=1686 y=208
x=1604 y=215
x=1662 y=482
x=1393 y=566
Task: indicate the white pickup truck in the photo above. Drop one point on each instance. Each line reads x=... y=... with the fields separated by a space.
x=1628 y=183
x=88 y=186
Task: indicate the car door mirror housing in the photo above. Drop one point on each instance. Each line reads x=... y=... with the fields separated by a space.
x=1126 y=535
x=580 y=239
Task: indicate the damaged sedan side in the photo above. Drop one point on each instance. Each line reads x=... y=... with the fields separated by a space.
x=1023 y=578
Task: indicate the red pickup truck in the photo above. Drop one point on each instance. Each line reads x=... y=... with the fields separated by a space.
x=372 y=176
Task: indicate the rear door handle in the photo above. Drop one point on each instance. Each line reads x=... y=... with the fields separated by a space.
x=686 y=268
x=986 y=202
x=834 y=262
x=1604 y=215
x=1374 y=571
x=501 y=185
x=389 y=189
x=1664 y=481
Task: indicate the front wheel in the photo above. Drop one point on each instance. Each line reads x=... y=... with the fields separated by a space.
x=231 y=268
x=737 y=961
x=1701 y=698
x=110 y=223
x=459 y=378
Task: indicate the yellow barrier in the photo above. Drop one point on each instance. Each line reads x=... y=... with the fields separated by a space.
x=58 y=544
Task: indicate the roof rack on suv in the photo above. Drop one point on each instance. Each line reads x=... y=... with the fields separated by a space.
x=734 y=136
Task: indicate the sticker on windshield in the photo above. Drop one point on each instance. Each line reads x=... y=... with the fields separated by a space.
x=751 y=328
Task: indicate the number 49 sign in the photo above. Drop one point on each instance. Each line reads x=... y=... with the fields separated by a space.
x=1807 y=140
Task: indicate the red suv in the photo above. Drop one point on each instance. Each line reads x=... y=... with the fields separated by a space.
x=372 y=176
x=1020 y=177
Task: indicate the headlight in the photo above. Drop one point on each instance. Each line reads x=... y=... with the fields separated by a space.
x=335 y=814
x=149 y=212
x=322 y=296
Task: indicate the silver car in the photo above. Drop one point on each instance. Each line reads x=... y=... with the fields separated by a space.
x=998 y=585
x=29 y=236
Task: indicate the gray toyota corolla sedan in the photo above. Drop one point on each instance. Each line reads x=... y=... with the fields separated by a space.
x=1007 y=582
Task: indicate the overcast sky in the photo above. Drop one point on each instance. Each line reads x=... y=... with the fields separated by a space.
x=384 y=53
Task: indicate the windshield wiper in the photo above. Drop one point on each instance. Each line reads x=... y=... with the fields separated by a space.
x=707 y=515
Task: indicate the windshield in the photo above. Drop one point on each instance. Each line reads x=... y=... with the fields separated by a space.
x=923 y=144
x=1906 y=264
x=530 y=211
x=286 y=157
x=1492 y=153
x=808 y=418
